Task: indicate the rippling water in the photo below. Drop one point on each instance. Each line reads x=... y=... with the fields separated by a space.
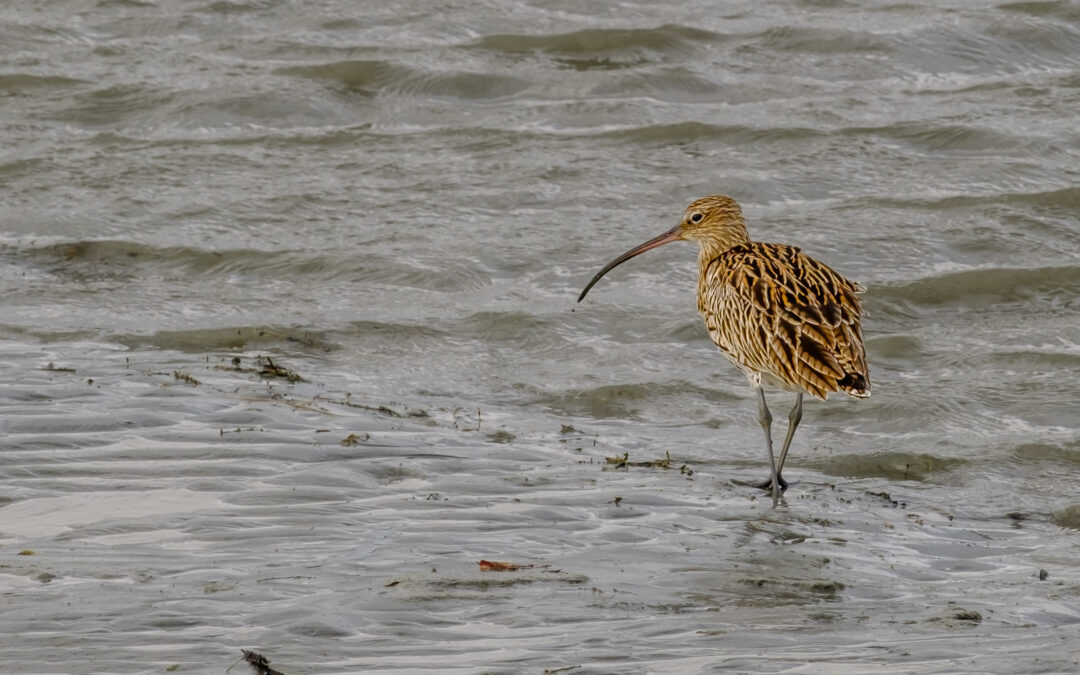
x=287 y=348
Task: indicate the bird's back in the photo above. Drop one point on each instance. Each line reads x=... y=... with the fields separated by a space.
x=785 y=318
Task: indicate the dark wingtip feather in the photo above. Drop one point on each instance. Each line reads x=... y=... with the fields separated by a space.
x=855 y=384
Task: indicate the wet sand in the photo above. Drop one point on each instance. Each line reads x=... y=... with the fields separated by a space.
x=177 y=509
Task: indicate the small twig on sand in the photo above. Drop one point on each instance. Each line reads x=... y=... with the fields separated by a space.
x=623 y=461
x=269 y=369
x=258 y=662
x=495 y=566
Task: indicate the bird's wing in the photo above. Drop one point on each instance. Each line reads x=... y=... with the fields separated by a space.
x=777 y=311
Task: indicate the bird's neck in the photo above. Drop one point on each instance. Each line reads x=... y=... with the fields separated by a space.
x=734 y=234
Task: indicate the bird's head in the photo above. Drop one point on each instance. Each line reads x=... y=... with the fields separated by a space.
x=716 y=223
x=711 y=218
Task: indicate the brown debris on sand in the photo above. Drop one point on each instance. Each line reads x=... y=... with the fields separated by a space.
x=623 y=461
x=495 y=566
x=269 y=369
x=259 y=663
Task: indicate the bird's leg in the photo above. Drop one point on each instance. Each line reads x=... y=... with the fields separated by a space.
x=793 y=423
x=765 y=418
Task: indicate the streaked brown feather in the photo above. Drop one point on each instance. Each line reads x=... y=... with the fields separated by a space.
x=779 y=314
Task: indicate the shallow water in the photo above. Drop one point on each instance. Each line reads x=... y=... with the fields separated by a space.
x=397 y=205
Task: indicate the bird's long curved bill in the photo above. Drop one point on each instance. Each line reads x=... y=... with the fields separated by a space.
x=674 y=234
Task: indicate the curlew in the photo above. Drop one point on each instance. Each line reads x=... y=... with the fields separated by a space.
x=782 y=317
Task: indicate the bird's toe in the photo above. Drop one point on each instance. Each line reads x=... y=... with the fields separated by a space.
x=767 y=484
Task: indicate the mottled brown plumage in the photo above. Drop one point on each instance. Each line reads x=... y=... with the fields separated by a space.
x=782 y=317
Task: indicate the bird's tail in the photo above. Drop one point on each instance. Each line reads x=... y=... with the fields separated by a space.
x=855 y=384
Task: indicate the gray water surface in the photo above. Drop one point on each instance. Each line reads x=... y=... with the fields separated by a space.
x=287 y=343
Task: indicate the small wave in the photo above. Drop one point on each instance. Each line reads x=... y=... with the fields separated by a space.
x=601 y=48
x=360 y=76
x=996 y=284
x=107 y=259
x=1055 y=454
x=893 y=466
x=688 y=132
x=13 y=82
x=395 y=331
x=1060 y=9
x=1034 y=360
x=1047 y=37
x=354 y=74
x=1070 y=81
x=218 y=110
x=125 y=3
x=668 y=84
x=371 y=77
x=1014 y=46
x=227 y=339
x=822 y=40
x=625 y=401
x=938 y=137
x=512 y=331
x=233 y=7
x=1068 y=517
x=112 y=106
x=894 y=347
x=1064 y=198
x=461 y=85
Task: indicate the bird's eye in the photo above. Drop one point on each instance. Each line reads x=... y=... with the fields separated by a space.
x=696 y=218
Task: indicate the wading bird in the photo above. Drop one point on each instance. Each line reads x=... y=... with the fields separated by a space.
x=782 y=317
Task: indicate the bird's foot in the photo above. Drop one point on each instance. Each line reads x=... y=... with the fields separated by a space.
x=767 y=484
x=763 y=485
